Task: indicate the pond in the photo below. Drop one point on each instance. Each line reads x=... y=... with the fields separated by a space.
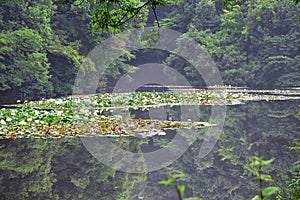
x=68 y=168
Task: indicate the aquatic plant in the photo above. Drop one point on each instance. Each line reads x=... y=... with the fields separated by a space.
x=93 y=115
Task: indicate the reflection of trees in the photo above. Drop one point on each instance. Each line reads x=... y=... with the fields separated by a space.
x=25 y=169
x=59 y=169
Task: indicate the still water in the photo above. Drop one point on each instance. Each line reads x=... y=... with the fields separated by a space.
x=65 y=169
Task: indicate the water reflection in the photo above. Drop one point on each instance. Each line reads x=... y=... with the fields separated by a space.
x=64 y=169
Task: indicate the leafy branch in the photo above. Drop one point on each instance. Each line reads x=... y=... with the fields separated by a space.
x=112 y=14
x=255 y=167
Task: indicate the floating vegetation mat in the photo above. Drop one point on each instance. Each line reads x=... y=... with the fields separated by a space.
x=103 y=126
x=91 y=115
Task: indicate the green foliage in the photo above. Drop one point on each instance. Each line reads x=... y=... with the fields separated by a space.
x=296 y=144
x=21 y=54
x=26 y=41
x=268 y=191
x=256 y=168
x=230 y=3
x=173 y=181
x=255 y=44
x=291 y=186
x=250 y=42
x=296 y=1
x=43 y=45
x=111 y=15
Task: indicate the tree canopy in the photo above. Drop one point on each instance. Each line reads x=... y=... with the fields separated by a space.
x=112 y=14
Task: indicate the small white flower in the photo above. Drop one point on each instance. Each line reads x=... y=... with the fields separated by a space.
x=46 y=112
x=2 y=122
x=59 y=101
x=37 y=121
x=59 y=113
x=235 y=95
x=18 y=101
x=8 y=119
x=13 y=113
x=29 y=119
x=22 y=123
x=36 y=112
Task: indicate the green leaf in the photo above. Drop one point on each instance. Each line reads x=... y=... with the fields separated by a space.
x=165 y=182
x=181 y=189
x=256 y=163
x=253 y=171
x=269 y=191
x=266 y=177
x=266 y=162
x=181 y=175
x=256 y=198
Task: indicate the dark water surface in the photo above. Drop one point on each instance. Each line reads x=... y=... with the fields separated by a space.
x=64 y=168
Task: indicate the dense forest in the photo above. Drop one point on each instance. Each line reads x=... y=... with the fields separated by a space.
x=43 y=43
